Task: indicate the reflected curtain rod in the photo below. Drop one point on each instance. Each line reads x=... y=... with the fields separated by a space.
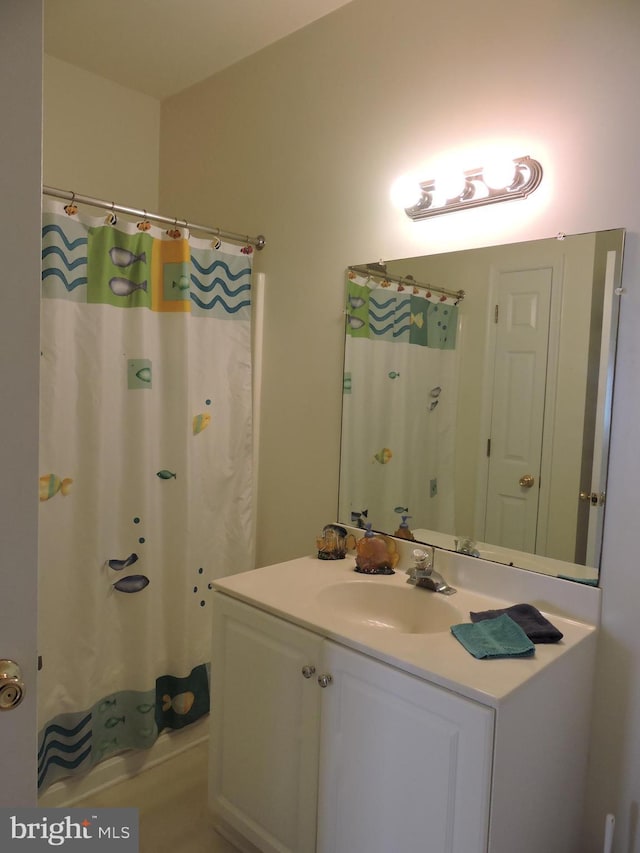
x=258 y=242
x=379 y=275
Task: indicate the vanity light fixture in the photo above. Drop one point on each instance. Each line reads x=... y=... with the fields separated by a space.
x=478 y=187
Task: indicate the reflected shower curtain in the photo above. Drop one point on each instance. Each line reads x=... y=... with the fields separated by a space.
x=145 y=486
x=399 y=407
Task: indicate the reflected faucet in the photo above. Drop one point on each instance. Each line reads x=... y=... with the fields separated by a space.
x=422 y=573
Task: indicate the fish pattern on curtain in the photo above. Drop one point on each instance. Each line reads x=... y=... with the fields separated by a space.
x=399 y=407
x=146 y=477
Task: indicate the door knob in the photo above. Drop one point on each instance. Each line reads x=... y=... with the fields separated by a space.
x=324 y=680
x=595 y=498
x=527 y=480
x=11 y=685
x=308 y=671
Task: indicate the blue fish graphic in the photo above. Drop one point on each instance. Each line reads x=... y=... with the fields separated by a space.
x=357 y=518
x=124 y=258
x=125 y=287
x=119 y=565
x=114 y=721
x=356 y=302
x=355 y=322
x=132 y=583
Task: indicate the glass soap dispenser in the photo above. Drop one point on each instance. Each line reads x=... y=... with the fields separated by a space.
x=403 y=531
x=376 y=554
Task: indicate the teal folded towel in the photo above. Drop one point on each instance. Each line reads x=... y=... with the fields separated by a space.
x=494 y=638
x=588 y=581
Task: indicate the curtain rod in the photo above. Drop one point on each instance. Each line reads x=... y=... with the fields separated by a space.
x=379 y=275
x=258 y=242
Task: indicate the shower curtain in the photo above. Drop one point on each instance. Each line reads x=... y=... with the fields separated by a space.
x=399 y=407
x=146 y=477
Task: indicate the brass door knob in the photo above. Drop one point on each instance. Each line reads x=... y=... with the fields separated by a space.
x=594 y=498
x=527 y=480
x=11 y=685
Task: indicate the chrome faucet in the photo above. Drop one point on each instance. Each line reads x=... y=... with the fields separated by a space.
x=423 y=574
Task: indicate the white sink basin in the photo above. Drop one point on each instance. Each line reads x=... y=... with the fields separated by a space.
x=404 y=608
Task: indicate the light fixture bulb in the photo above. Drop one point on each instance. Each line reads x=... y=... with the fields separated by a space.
x=499 y=173
x=449 y=183
x=405 y=192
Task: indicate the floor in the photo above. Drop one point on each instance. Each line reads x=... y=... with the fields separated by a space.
x=171 y=798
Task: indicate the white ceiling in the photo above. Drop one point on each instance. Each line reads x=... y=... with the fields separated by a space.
x=161 y=47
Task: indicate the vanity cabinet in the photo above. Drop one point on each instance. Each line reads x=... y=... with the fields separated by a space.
x=265 y=727
x=404 y=766
x=317 y=747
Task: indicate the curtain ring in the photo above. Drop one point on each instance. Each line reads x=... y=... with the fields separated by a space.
x=174 y=232
x=72 y=208
x=144 y=224
x=111 y=218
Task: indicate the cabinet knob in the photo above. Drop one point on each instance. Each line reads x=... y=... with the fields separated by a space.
x=308 y=671
x=324 y=680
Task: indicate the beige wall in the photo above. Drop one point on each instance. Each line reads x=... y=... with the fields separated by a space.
x=302 y=141
x=100 y=139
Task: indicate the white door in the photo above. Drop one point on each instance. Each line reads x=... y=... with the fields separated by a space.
x=20 y=241
x=515 y=454
x=405 y=766
x=265 y=727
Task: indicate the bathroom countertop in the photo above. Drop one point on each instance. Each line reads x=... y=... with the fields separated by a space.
x=293 y=590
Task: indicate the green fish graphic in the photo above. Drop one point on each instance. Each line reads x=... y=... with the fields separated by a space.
x=166 y=475
x=182 y=283
x=144 y=374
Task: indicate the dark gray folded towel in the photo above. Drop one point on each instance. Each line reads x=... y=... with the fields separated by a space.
x=532 y=622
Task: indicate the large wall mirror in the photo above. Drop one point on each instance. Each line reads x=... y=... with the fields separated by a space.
x=477 y=399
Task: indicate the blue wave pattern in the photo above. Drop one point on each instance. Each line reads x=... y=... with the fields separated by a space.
x=72 y=743
x=64 y=747
x=64 y=258
x=220 y=284
x=390 y=316
x=405 y=318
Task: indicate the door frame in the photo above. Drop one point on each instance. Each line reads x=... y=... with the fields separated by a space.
x=608 y=344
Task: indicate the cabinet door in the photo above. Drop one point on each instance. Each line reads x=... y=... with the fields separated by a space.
x=405 y=766
x=265 y=727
